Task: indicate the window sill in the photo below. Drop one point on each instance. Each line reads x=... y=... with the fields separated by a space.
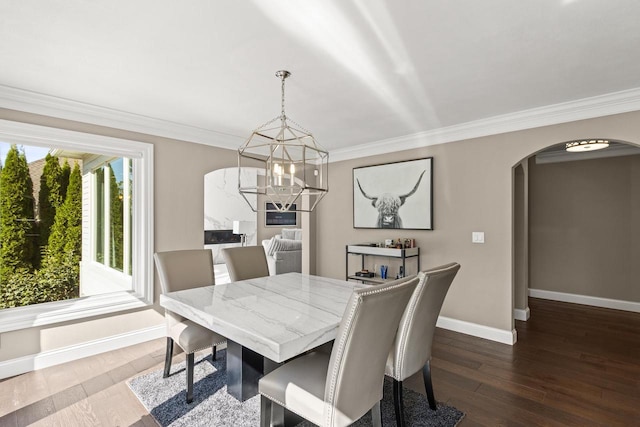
x=12 y=319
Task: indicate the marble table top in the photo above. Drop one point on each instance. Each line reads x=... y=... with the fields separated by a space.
x=278 y=316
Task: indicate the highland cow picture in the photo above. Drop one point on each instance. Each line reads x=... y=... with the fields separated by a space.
x=394 y=195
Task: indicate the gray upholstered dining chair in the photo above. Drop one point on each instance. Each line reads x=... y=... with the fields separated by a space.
x=411 y=349
x=246 y=262
x=179 y=270
x=338 y=388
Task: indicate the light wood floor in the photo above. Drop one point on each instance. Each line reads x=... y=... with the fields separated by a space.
x=572 y=365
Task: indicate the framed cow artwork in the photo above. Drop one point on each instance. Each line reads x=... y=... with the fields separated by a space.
x=394 y=195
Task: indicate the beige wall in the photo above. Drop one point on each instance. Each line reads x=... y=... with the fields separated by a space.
x=584 y=227
x=179 y=169
x=472 y=192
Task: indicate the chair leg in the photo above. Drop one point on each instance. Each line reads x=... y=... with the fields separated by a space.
x=376 y=415
x=213 y=353
x=190 y=359
x=426 y=374
x=398 y=402
x=265 y=411
x=167 y=358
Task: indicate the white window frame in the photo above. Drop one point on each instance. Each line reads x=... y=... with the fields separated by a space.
x=141 y=154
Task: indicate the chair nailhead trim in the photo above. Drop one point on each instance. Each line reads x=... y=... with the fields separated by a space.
x=282 y=404
x=275 y=400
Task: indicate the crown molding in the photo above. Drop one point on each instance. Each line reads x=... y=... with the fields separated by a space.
x=47 y=105
x=586 y=108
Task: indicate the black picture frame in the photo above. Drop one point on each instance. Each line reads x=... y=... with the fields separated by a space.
x=275 y=218
x=396 y=195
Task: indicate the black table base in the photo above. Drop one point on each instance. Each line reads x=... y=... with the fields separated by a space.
x=244 y=369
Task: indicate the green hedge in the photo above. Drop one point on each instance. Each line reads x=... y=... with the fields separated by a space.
x=57 y=281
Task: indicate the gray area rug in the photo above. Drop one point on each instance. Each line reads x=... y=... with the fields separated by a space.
x=165 y=399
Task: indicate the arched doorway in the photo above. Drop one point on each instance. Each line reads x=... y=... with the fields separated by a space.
x=576 y=233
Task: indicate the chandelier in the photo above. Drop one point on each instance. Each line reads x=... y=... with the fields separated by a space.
x=587 y=145
x=295 y=165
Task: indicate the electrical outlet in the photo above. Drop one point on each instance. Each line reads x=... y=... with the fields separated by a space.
x=477 y=237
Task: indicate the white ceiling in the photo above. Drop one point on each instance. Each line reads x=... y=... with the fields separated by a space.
x=362 y=71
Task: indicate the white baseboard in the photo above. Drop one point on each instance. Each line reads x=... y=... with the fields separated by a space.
x=481 y=331
x=586 y=300
x=9 y=368
x=520 y=314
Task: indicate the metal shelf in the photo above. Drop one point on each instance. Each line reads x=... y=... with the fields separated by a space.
x=366 y=250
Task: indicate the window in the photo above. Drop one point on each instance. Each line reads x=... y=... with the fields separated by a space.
x=116 y=212
x=108 y=264
x=115 y=270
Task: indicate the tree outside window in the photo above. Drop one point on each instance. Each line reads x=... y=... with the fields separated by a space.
x=41 y=237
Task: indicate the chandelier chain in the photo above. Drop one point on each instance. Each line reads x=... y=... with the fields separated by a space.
x=283 y=116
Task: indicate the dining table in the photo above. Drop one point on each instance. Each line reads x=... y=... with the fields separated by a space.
x=266 y=320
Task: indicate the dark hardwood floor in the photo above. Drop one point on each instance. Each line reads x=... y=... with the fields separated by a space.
x=573 y=365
